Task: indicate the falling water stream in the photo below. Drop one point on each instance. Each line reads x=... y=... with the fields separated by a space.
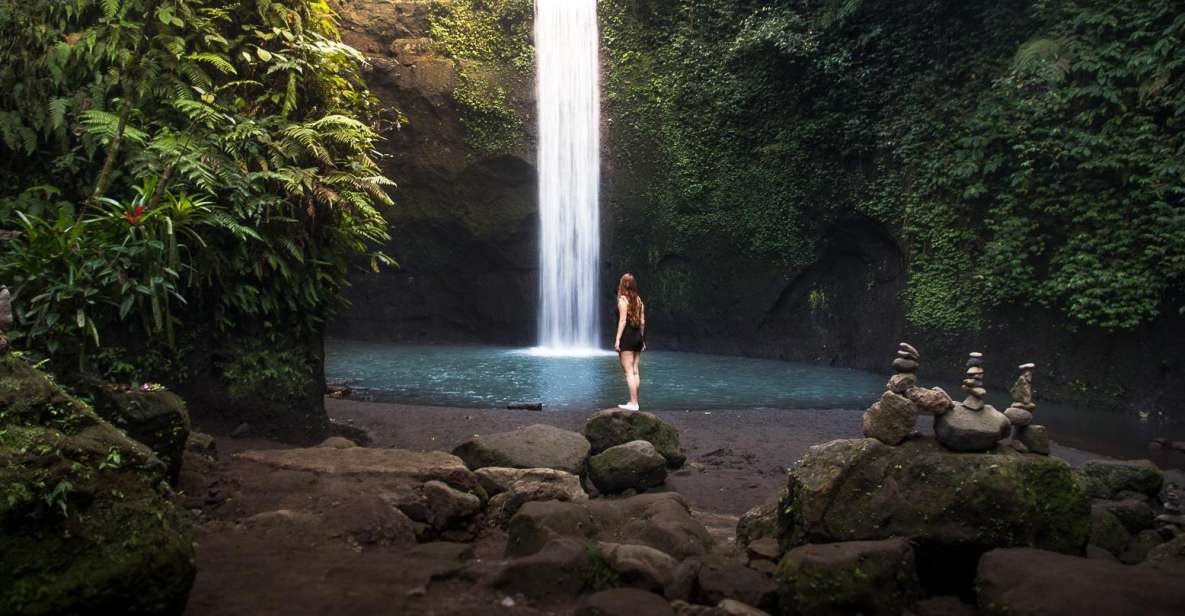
x=566 y=45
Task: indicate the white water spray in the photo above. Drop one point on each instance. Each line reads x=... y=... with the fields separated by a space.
x=566 y=45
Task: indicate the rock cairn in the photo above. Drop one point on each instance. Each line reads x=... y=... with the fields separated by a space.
x=5 y=317
x=972 y=425
x=1026 y=437
x=894 y=417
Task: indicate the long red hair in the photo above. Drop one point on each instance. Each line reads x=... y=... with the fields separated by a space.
x=627 y=287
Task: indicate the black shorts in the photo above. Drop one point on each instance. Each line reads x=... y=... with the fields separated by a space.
x=632 y=339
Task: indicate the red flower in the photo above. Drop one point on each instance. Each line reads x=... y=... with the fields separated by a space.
x=133 y=217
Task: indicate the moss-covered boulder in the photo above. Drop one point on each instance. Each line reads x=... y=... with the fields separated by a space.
x=1107 y=478
x=953 y=506
x=636 y=465
x=86 y=524
x=613 y=427
x=864 y=577
x=156 y=417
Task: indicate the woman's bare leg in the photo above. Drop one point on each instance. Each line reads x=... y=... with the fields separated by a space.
x=637 y=373
x=627 y=365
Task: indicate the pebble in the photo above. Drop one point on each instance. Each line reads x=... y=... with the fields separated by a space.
x=905 y=346
x=974 y=371
x=1028 y=366
x=978 y=391
x=976 y=355
x=973 y=403
x=974 y=361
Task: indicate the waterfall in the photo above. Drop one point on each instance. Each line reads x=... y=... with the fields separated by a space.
x=566 y=46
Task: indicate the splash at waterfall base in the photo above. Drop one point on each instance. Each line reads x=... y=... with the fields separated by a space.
x=858 y=525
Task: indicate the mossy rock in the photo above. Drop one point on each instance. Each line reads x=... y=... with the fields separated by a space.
x=157 y=418
x=1107 y=478
x=1106 y=531
x=855 y=577
x=86 y=524
x=613 y=427
x=861 y=489
x=636 y=465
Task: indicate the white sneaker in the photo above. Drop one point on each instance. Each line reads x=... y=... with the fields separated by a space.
x=628 y=407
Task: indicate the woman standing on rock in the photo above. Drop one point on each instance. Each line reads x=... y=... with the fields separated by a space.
x=631 y=335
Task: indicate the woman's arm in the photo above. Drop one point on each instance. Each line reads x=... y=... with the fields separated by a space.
x=623 y=308
x=643 y=323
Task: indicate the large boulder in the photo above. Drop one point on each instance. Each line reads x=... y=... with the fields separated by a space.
x=636 y=465
x=536 y=484
x=966 y=429
x=865 y=577
x=1106 y=531
x=660 y=520
x=761 y=521
x=85 y=526
x=624 y=602
x=640 y=566
x=534 y=446
x=1107 y=478
x=614 y=427
x=1029 y=582
x=718 y=579
x=861 y=489
x=157 y=418
x=395 y=464
x=891 y=419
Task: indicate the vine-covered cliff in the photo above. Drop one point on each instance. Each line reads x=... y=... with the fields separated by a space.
x=812 y=180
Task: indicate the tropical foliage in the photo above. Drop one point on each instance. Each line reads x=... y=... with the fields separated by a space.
x=174 y=159
x=1024 y=153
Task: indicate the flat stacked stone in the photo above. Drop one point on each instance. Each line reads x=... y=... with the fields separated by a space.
x=894 y=417
x=1026 y=436
x=5 y=317
x=972 y=425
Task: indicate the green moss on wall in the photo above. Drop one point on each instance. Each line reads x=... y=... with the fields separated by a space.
x=1022 y=153
x=490 y=43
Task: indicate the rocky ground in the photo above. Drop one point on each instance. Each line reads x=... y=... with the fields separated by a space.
x=391 y=529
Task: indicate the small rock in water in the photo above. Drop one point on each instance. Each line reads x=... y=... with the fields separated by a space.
x=905 y=365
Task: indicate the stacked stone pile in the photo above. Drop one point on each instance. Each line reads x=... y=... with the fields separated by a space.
x=894 y=417
x=1026 y=437
x=5 y=317
x=973 y=425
